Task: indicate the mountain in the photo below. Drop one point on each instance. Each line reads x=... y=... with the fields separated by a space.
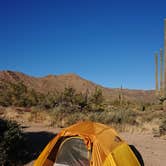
x=58 y=83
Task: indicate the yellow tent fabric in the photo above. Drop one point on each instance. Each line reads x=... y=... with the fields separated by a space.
x=108 y=148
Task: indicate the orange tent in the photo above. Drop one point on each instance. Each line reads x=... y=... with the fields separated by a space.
x=87 y=143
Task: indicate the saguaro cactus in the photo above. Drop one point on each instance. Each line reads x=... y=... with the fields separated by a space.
x=156 y=73
x=121 y=95
x=161 y=72
x=165 y=58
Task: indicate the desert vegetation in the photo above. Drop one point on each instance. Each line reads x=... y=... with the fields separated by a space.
x=61 y=109
x=64 y=108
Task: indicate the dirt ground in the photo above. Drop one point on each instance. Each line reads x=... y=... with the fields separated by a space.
x=152 y=149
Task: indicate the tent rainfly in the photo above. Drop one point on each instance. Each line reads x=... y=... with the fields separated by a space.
x=88 y=144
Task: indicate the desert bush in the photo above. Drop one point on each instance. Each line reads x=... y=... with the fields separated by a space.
x=162 y=127
x=101 y=117
x=11 y=143
x=97 y=97
x=81 y=100
x=69 y=115
x=56 y=116
x=68 y=95
x=149 y=116
x=120 y=117
x=116 y=102
x=48 y=101
x=30 y=99
x=38 y=115
x=5 y=96
x=17 y=94
x=73 y=118
x=124 y=116
x=62 y=116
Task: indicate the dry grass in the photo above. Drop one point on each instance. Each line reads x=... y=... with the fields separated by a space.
x=121 y=120
x=34 y=116
x=39 y=116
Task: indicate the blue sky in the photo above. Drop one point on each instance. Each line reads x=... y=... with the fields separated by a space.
x=110 y=42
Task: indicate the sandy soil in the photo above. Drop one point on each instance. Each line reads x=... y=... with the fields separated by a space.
x=152 y=149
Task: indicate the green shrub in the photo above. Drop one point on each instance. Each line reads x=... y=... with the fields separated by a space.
x=97 y=97
x=11 y=143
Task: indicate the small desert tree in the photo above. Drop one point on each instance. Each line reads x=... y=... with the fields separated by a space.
x=68 y=95
x=81 y=100
x=96 y=100
x=49 y=100
x=97 y=97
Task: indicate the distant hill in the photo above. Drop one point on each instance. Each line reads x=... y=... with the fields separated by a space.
x=52 y=83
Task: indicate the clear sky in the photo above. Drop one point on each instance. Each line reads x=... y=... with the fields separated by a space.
x=110 y=42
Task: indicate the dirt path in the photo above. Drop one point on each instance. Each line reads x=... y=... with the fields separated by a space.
x=152 y=149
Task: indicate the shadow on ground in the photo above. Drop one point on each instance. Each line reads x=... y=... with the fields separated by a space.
x=35 y=143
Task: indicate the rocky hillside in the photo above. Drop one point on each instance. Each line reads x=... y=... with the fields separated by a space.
x=58 y=83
